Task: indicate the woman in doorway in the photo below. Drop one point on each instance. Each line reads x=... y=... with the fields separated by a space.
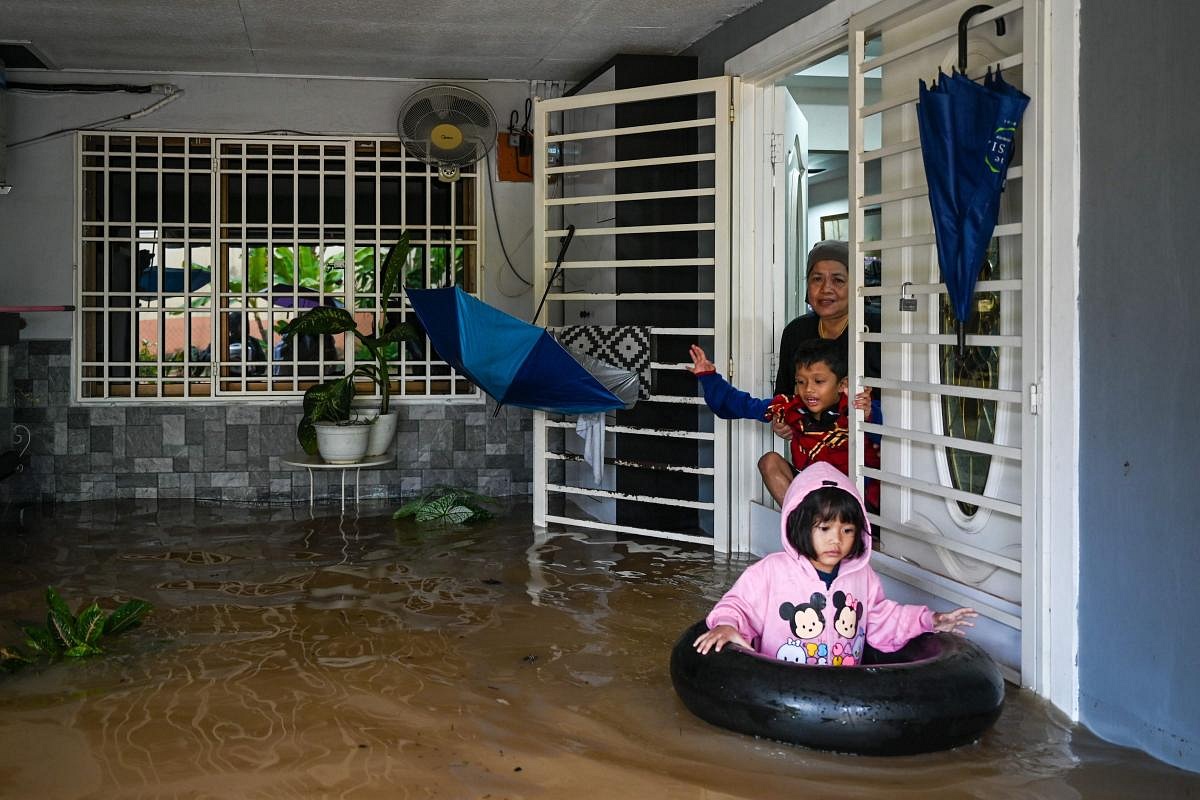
x=827 y=276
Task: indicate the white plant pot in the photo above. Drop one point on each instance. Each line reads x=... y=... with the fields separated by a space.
x=383 y=433
x=342 y=444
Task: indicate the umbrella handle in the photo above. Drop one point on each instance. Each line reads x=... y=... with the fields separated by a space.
x=961 y=355
x=562 y=251
x=963 y=21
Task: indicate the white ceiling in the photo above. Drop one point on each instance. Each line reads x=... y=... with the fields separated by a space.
x=449 y=39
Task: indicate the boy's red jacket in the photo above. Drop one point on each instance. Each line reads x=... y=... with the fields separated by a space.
x=816 y=437
x=825 y=437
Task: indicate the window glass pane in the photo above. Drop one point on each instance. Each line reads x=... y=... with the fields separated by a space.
x=173 y=199
x=147 y=197
x=120 y=185
x=364 y=201
x=93 y=195
x=282 y=192
x=256 y=199
x=199 y=198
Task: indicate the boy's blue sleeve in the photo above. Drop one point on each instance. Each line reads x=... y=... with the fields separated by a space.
x=877 y=418
x=730 y=403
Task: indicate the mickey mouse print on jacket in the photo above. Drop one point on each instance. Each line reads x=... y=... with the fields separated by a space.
x=782 y=606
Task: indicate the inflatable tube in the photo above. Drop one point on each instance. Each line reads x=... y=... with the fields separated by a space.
x=938 y=691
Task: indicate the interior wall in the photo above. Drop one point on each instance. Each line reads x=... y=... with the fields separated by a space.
x=37 y=217
x=1139 y=549
x=233 y=450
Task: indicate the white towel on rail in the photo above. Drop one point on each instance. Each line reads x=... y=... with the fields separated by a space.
x=591 y=428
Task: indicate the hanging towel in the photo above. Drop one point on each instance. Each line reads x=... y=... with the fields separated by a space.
x=591 y=428
x=626 y=346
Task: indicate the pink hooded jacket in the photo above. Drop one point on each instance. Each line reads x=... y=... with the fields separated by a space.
x=782 y=607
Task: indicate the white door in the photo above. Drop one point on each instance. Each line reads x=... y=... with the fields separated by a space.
x=781 y=289
x=644 y=177
x=958 y=506
x=789 y=167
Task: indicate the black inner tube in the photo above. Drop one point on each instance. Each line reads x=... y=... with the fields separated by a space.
x=937 y=692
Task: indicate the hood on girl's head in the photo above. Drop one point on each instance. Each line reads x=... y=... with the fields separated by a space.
x=817 y=476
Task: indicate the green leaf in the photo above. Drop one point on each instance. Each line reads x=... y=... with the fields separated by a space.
x=83 y=650
x=409 y=508
x=41 y=640
x=393 y=269
x=400 y=332
x=307 y=434
x=57 y=604
x=90 y=624
x=434 y=509
x=129 y=615
x=444 y=510
x=12 y=659
x=320 y=321
x=62 y=625
x=329 y=402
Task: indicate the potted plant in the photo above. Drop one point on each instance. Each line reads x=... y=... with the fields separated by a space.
x=332 y=402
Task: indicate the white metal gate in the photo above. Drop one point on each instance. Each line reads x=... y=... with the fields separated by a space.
x=644 y=176
x=958 y=494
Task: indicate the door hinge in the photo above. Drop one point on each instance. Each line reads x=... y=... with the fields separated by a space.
x=729 y=377
x=775 y=147
x=1034 y=399
x=732 y=112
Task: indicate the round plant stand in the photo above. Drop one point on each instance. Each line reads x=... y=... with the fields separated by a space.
x=312 y=463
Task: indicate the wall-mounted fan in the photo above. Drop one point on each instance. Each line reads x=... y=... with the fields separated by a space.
x=447 y=126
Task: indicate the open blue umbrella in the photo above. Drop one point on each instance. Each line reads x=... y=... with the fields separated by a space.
x=967 y=131
x=516 y=363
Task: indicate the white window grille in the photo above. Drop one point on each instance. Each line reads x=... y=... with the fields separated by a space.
x=194 y=248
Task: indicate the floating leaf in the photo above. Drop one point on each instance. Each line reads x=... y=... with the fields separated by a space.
x=62 y=625
x=41 y=640
x=90 y=624
x=409 y=508
x=82 y=650
x=56 y=604
x=129 y=615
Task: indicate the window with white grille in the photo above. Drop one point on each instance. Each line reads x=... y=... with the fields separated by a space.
x=193 y=250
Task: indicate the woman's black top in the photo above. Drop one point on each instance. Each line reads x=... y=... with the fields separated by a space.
x=804 y=328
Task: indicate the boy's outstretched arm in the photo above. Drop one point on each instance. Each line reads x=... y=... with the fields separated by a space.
x=700 y=363
x=723 y=399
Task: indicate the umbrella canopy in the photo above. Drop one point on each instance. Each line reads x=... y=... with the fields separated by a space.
x=516 y=363
x=967 y=131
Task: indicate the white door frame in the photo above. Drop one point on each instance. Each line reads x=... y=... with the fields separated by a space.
x=1054 y=557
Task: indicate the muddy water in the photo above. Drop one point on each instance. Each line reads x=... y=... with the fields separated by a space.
x=361 y=658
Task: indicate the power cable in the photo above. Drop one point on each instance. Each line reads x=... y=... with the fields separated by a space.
x=495 y=216
x=174 y=94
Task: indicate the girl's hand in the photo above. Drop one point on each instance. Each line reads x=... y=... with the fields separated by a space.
x=700 y=363
x=717 y=638
x=952 y=621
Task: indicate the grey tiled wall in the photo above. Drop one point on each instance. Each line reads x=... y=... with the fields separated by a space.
x=232 y=452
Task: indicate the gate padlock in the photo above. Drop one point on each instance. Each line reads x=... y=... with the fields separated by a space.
x=907 y=301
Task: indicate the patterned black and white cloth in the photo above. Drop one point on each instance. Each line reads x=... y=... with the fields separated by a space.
x=626 y=346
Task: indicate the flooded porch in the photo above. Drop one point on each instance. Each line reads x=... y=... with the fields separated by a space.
x=358 y=657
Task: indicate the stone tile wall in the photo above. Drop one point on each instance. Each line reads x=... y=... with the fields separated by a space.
x=232 y=452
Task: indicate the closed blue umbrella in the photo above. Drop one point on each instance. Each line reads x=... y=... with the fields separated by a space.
x=967 y=133
x=518 y=364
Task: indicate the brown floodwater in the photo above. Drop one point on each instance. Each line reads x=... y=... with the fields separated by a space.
x=357 y=657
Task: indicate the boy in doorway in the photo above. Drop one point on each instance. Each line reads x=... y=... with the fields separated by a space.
x=817 y=413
